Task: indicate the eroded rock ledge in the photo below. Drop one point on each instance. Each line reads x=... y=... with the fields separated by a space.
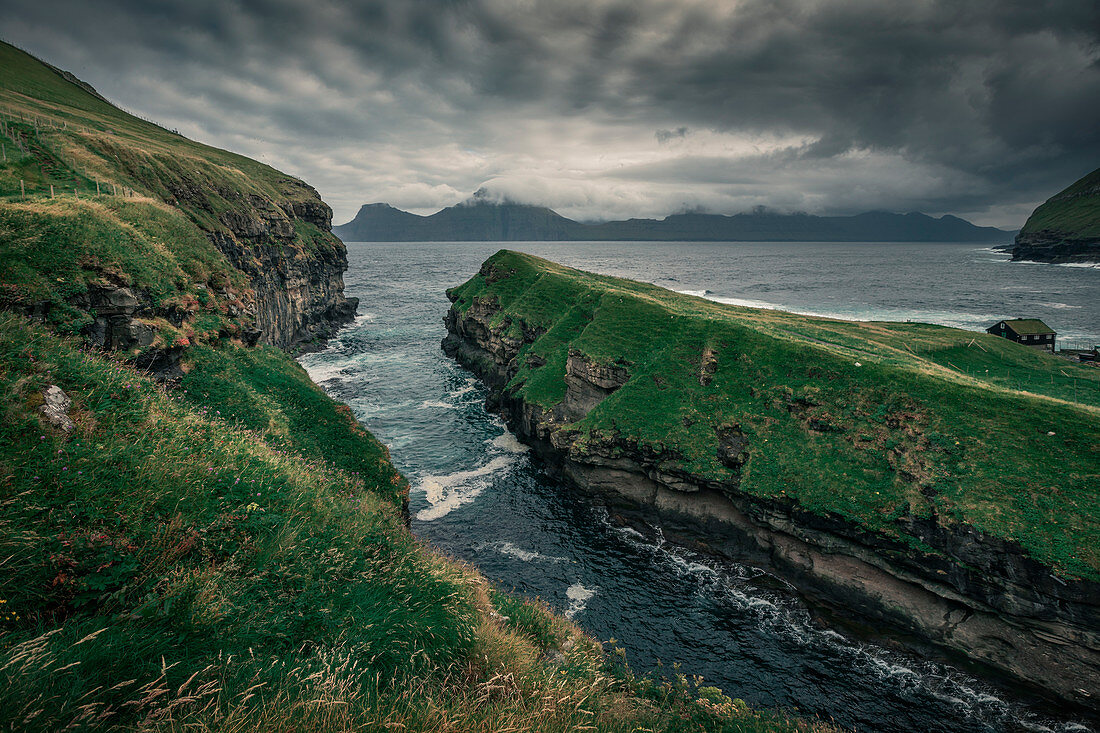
x=968 y=593
x=1055 y=248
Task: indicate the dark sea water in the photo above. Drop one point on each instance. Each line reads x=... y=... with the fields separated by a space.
x=477 y=495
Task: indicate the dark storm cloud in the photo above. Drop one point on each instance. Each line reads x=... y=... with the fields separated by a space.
x=977 y=107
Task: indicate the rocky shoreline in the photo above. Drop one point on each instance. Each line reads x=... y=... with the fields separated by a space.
x=961 y=591
x=1052 y=248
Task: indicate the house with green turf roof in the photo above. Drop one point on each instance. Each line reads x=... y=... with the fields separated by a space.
x=1026 y=331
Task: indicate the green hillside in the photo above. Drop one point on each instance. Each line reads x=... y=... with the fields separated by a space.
x=1073 y=213
x=232 y=555
x=1066 y=228
x=872 y=422
x=94 y=199
x=61 y=133
x=222 y=546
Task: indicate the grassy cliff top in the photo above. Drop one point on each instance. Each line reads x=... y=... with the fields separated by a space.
x=94 y=197
x=1071 y=214
x=870 y=421
x=73 y=137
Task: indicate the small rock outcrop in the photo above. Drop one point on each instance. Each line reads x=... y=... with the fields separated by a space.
x=55 y=407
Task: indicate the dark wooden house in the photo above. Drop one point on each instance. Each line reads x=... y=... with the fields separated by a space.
x=1026 y=331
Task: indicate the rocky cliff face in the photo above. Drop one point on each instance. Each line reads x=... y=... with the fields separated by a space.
x=967 y=593
x=1055 y=248
x=298 y=285
x=290 y=296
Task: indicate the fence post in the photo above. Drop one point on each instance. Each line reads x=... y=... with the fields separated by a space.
x=51 y=196
x=22 y=190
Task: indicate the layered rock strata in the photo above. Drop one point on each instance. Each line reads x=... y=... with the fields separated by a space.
x=968 y=593
x=299 y=288
x=1055 y=248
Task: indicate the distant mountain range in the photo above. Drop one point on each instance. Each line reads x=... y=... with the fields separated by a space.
x=478 y=220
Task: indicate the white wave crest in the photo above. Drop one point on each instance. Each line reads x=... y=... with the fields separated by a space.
x=439 y=404
x=320 y=372
x=466 y=389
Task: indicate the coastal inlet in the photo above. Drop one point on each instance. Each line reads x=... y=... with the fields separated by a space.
x=478 y=495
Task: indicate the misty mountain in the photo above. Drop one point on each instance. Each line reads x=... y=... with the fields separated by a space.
x=479 y=220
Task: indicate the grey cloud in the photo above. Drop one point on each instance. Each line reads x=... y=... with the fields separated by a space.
x=664 y=136
x=996 y=100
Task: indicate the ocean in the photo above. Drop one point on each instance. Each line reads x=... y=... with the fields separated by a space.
x=478 y=495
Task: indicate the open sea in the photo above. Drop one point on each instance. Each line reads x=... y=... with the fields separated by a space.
x=477 y=495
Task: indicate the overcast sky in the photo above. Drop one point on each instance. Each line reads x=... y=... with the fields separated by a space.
x=613 y=108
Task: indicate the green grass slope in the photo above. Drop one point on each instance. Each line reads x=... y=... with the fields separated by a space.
x=58 y=132
x=1070 y=214
x=869 y=421
x=232 y=555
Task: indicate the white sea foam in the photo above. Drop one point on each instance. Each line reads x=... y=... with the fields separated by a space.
x=465 y=389
x=505 y=547
x=957 y=319
x=449 y=491
x=1081 y=265
x=578 y=597
x=629 y=533
x=321 y=372
x=1059 y=306
x=439 y=404
x=744 y=302
x=508 y=443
